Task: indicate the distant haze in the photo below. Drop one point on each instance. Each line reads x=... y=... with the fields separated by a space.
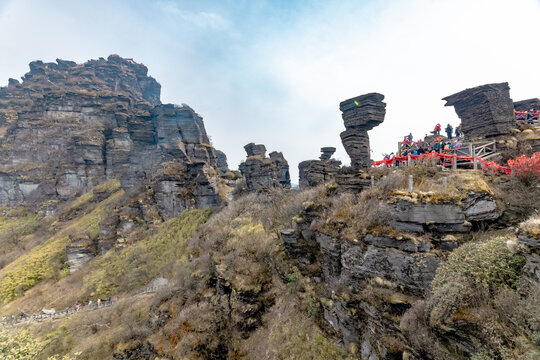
x=274 y=72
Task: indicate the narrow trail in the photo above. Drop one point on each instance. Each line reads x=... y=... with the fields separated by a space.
x=38 y=317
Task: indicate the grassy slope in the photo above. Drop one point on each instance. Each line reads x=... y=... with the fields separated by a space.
x=48 y=259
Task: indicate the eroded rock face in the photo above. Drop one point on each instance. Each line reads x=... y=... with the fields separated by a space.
x=221 y=161
x=361 y=114
x=485 y=110
x=81 y=249
x=68 y=127
x=316 y=172
x=526 y=105
x=444 y=217
x=261 y=172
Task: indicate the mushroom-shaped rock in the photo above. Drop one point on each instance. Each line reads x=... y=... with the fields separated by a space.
x=485 y=110
x=360 y=114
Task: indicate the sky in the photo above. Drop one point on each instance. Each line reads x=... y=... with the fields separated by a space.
x=274 y=72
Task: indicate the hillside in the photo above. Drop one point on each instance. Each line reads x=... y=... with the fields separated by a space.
x=123 y=235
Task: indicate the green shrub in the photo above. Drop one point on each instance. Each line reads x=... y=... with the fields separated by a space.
x=489 y=264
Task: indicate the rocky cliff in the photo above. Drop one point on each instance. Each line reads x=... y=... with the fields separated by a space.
x=67 y=127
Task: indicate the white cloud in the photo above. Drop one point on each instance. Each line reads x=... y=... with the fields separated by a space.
x=202 y=19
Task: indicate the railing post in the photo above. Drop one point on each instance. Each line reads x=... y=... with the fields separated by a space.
x=410 y=183
x=512 y=173
x=454 y=162
x=475 y=163
x=409 y=160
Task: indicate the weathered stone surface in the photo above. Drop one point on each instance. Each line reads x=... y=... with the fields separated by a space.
x=68 y=127
x=317 y=172
x=351 y=181
x=531 y=250
x=326 y=153
x=80 y=250
x=221 y=161
x=443 y=217
x=485 y=110
x=261 y=172
x=361 y=114
x=526 y=105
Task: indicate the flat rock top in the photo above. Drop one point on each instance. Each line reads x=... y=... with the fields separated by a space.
x=466 y=94
x=362 y=100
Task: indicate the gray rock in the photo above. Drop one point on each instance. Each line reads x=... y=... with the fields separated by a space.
x=485 y=110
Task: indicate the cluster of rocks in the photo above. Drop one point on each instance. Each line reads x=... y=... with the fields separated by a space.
x=316 y=172
x=261 y=172
x=485 y=110
x=68 y=127
x=369 y=281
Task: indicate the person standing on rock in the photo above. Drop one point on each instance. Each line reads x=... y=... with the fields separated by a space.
x=449 y=130
x=437 y=130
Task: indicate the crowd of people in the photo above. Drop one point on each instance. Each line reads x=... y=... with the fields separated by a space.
x=528 y=116
x=435 y=143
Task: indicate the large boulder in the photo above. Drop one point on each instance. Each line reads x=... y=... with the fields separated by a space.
x=485 y=110
x=262 y=173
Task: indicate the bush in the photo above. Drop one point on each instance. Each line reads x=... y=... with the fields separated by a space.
x=526 y=169
x=489 y=264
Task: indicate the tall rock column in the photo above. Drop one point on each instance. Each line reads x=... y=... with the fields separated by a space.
x=360 y=114
x=484 y=111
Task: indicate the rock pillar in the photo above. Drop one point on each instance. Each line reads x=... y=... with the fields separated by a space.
x=361 y=114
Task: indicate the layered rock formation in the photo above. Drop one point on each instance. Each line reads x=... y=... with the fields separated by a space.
x=485 y=110
x=68 y=127
x=261 y=172
x=221 y=161
x=526 y=105
x=361 y=114
x=316 y=172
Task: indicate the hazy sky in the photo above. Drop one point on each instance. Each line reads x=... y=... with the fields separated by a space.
x=274 y=72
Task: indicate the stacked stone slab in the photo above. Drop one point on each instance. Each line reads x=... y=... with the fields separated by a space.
x=526 y=105
x=484 y=111
x=361 y=114
x=262 y=173
x=316 y=172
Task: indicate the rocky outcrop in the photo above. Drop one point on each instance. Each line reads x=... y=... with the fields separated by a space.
x=261 y=172
x=410 y=215
x=526 y=105
x=361 y=114
x=528 y=240
x=485 y=110
x=316 y=172
x=68 y=127
x=366 y=282
x=80 y=250
x=221 y=161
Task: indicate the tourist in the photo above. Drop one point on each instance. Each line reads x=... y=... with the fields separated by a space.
x=410 y=137
x=457 y=132
x=535 y=116
x=449 y=130
x=437 y=130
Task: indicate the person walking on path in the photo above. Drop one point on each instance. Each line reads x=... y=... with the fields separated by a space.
x=449 y=130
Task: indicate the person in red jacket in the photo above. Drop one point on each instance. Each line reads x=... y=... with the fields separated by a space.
x=437 y=130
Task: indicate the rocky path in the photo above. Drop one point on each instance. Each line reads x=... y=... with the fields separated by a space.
x=14 y=320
